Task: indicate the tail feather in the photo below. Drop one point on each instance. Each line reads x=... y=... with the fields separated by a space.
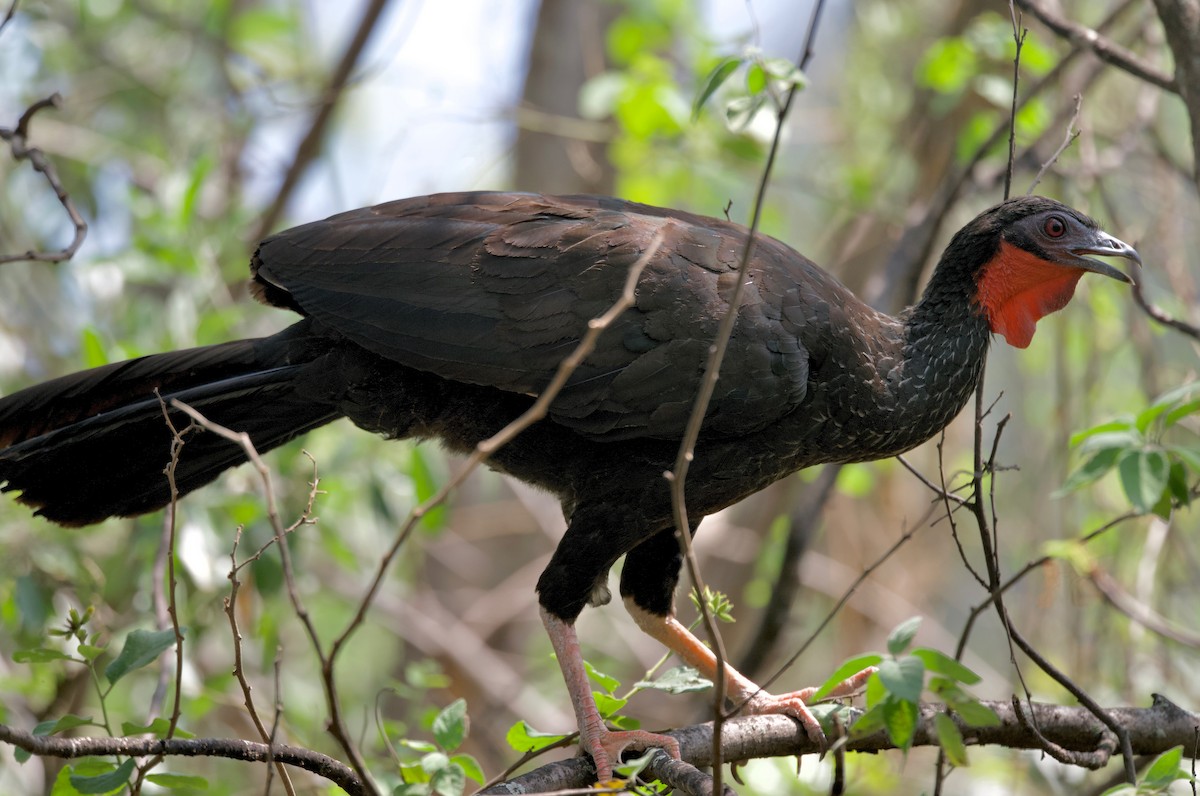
x=95 y=444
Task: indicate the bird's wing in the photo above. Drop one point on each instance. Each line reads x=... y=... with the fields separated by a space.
x=496 y=289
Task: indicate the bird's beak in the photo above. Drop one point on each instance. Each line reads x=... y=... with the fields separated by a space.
x=1105 y=245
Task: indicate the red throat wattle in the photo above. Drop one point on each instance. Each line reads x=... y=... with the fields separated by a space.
x=1017 y=288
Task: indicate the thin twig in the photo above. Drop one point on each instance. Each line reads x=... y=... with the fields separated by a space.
x=18 y=142
x=310 y=145
x=1103 y=48
x=712 y=369
x=1068 y=139
x=1018 y=37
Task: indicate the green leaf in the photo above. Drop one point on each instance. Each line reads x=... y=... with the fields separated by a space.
x=715 y=79
x=950 y=739
x=941 y=663
x=1091 y=470
x=1189 y=456
x=142 y=647
x=1123 y=425
x=1123 y=440
x=902 y=635
x=756 y=79
x=426 y=485
x=605 y=681
x=417 y=745
x=451 y=725
x=450 y=780
x=1144 y=477
x=158 y=728
x=679 y=680
x=524 y=738
x=968 y=708
x=178 y=781
x=904 y=678
x=608 y=704
x=948 y=66
x=1166 y=768
x=39 y=655
x=434 y=762
x=900 y=718
x=470 y=767
x=1180 y=412
x=631 y=768
x=786 y=72
x=93 y=349
x=850 y=667
x=104 y=783
x=870 y=722
x=90 y=653
x=67 y=722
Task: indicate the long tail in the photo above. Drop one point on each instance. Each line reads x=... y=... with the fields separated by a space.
x=94 y=444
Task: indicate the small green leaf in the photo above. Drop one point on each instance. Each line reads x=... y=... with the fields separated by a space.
x=39 y=655
x=941 y=663
x=1070 y=550
x=450 y=780
x=1180 y=412
x=1189 y=456
x=178 y=781
x=1123 y=440
x=715 y=79
x=452 y=725
x=631 y=768
x=679 y=680
x=1091 y=470
x=470 y=767
x=605 y=681
x=756 y=79
x=608 y=704
x=870 y=722
x=904 y=678
x=67 y=722
x=900 y=718
x=624 y=722
x=1166 y=768
x=434 y=762
x=104 y=783
x=1144 y=477
x=524 y=738
x=847 y=669
x=950 y=739
x=417 y=745
x=142 y=647
x=1121 y=425
x=902 y=635
x=91 y=653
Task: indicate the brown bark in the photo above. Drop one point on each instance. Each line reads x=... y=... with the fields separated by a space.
x=1181 y=22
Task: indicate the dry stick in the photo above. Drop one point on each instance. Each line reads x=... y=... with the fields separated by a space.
x=239 y=672
x=232 y=748
x=687 y=446
x=1144 y=615
x=1018 y=37
x=12 y=10
x=337 y=726
x=17 y=139
x=310 y=146
x=1068 y=139
x=177 y=443
x=1106 y=50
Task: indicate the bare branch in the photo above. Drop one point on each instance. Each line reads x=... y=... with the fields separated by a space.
x=1103 y=48
x=1068 y=139
x=1153 y=730
x=18 y=142
x=310 y=145
x=248 y=751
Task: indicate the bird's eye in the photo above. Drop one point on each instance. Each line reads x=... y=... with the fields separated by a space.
x=1055 y=227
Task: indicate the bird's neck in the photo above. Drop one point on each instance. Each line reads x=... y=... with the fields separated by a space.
x=945 y=343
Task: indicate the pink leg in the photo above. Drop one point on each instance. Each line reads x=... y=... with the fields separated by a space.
x=676 y=637
x=604 y=745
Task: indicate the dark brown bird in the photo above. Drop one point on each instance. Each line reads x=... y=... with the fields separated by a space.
x=442 y=317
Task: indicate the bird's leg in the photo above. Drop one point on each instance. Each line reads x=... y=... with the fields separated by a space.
x=738 y=688
x=604 y=745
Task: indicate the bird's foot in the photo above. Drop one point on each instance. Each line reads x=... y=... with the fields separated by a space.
x=795 y=704
x=606 y=747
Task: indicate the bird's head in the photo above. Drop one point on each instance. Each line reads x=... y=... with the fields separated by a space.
x=1032 y=253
